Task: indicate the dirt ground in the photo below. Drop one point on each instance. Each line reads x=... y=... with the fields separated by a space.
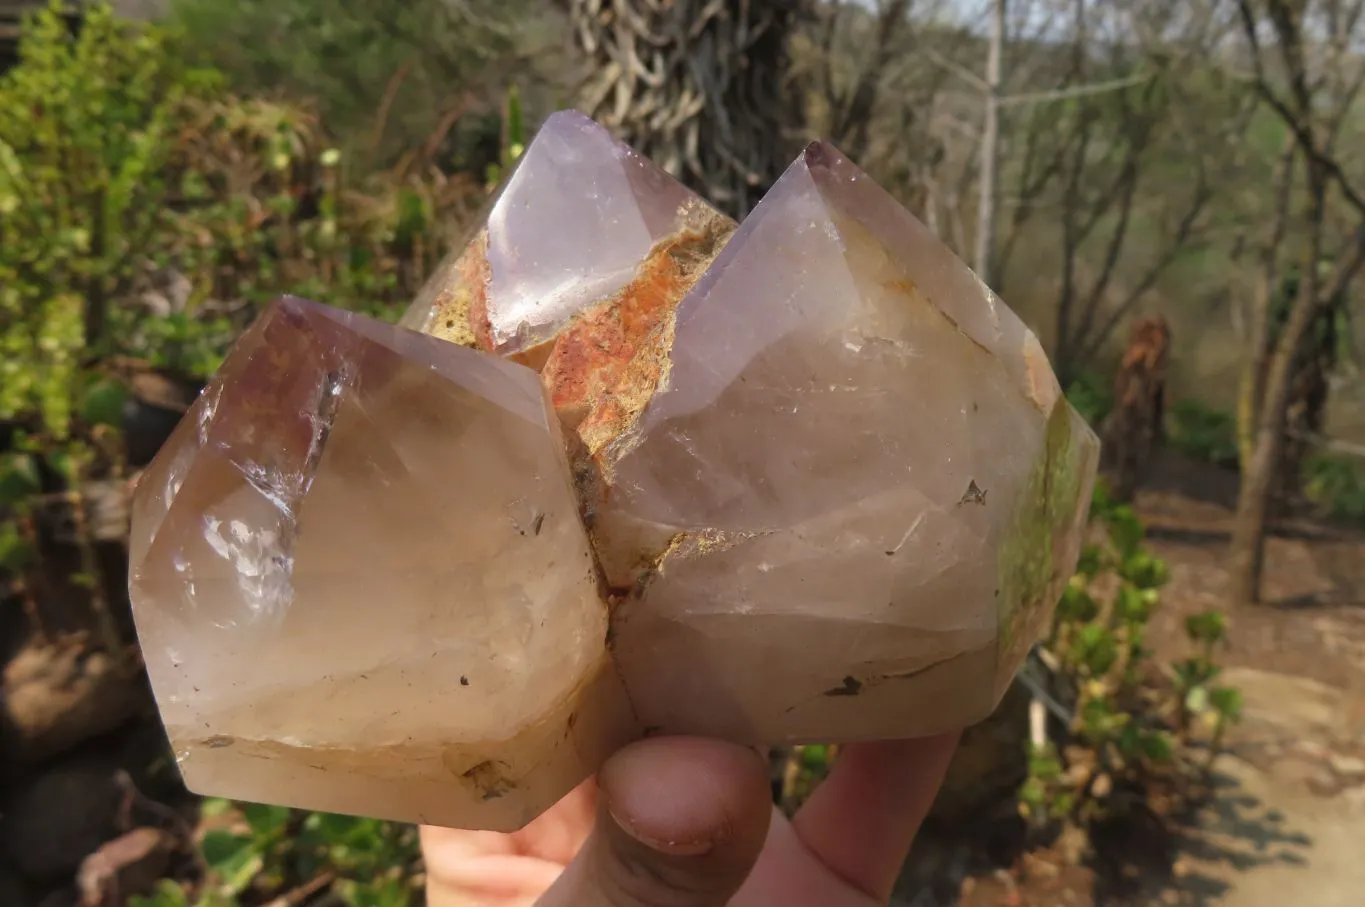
x=1287 y=822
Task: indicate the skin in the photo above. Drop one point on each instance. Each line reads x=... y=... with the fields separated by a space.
x=688 y=822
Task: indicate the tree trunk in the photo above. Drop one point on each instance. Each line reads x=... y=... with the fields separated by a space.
x=698 y=86
x=1133 y=428
x=1256 y=361
x=990 y=151
x=1246 y=554
x=1306 y=412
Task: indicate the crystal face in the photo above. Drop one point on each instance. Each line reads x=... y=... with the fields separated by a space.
x=806 y=480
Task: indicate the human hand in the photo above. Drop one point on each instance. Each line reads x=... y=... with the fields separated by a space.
x=688 y=822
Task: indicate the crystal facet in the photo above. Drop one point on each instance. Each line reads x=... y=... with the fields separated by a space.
x=809 y=480
x=566 y=231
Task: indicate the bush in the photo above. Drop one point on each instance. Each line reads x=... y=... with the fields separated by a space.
x=386 y=77
x=1203 y=432
x=1134 y=725
x=256 y=854
x=1337 y=484
x=1093 y=396
x=123 y=168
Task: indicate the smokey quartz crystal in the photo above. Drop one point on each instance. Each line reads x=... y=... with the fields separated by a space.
x=624 y=468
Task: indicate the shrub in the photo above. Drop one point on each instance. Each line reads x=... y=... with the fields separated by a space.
x=256 y=854
x=1203 y=432
x=1093 y=396
x=1133 y=723
x=1337 y=484
x=123 y=168
x=386 y=77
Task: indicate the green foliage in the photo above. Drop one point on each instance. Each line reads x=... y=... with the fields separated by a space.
x=85 y=140
x=1338 y=485
x=1202 y=432
x=254 y=854
x=122 y=166
x=1132 y=720
x=386 y=77
x=1093 y=396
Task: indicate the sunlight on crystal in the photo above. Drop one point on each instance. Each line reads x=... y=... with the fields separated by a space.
x=626 y=467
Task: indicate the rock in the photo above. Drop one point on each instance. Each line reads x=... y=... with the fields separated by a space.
x=1348 y=768
x=990 y=762
x=125 y=867
x=48 y=825
x=1312 y=773
x=58 y=695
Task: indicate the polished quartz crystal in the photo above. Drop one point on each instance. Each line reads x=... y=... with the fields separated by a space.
x=848 y=508
x=638 y=472
x=314 y=554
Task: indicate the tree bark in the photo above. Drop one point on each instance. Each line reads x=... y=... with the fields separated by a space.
x=1246 y=554
x=990 y=151
x=698 y=87
x=1256 y=359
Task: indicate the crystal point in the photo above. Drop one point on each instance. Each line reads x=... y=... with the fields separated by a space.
x=313 y=553
x=803 y=480
x=567 y=230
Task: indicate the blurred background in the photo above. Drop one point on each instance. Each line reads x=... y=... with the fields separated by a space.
x=1170 y=192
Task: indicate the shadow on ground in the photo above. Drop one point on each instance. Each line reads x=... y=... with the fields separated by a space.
x=1235 y=833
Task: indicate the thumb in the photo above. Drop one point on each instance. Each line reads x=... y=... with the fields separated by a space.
x=680 y=823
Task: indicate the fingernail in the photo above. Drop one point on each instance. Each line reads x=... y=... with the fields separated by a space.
x=673 y=848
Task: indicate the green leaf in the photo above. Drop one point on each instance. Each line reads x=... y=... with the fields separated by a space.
x=266 y=821
x=1129 y=742
x=1226 y=701
x=234 y=860
x=1207 y=627
x=1158 y=747
x=166 y=894
x=16 y=552
x=1077 y=605
x=815 y=757
x=102 y=403
x=19 y=478
x=1032 y=792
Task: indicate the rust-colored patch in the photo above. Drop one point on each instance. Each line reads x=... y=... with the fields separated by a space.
x=606 y=365
x=460 y=310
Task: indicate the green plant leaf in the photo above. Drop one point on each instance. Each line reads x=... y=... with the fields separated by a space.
x=102 y=403
x=1227 y=701
x=234 y=860
x=1207 y=627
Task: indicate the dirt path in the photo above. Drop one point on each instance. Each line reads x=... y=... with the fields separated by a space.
x=1288 y=823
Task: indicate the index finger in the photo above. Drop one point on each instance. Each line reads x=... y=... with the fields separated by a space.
x=861 y=821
